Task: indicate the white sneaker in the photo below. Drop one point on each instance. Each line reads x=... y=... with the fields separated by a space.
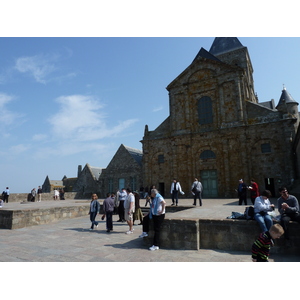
x=154 y=248
x=129 y=232
x=144 y=234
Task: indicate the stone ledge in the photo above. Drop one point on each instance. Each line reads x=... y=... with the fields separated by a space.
x=225 y=234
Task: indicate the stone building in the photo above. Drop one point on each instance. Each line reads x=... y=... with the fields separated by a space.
x=218 y=131
x=87 y=181
x=51 y=185
x=123 y=171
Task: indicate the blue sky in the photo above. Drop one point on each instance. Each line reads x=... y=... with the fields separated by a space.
x=78 y=81
x=70 y=101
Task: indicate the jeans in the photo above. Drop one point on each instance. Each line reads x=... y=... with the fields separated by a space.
x=265 y=222
x=92 y=218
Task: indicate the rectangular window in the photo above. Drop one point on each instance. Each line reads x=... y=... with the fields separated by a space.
x=161 y=158
x=266 y=148
x=121 y=184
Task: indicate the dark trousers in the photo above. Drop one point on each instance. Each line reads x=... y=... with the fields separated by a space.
x=5 y=198
x=242 y=198
x=157 y=222
x=198 y=195
x=121 y=210
x=285 y=219
x=92 y=218
x=175 y=197
x=109 y=220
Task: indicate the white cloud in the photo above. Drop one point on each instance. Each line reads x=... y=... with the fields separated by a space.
x=82 y=118
x=158 y=108
x=8 y=117
x=39 y=137
x=39 y=66
x=18 y=149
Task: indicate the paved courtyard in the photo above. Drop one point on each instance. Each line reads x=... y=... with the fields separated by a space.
x=71 y=241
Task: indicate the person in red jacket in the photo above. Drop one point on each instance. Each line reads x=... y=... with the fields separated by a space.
x=254 y=192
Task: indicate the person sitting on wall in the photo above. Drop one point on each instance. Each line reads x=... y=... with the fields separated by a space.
x=262 y=206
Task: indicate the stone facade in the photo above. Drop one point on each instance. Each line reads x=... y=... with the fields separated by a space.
x=123 y=171
x=87 y=181
x=218 y=131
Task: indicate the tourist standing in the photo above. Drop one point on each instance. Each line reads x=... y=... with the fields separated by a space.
x=5 y=195
x=242 y=192
x=254 y=191
x=175 y=189
x=94 y=210
x=108 y=210
x=122 y=197
x=39 y=192
x=197 y=189
x=129 y=206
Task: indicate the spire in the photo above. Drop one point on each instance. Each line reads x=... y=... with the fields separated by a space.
x=225 y=44
x=286 y=98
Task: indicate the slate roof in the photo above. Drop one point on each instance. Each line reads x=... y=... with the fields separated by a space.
x=225 y=44
x=136 y=154
x=285 y=98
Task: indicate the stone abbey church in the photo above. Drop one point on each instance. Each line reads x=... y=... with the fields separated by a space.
x=217 y=131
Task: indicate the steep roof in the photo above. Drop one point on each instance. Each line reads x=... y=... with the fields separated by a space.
x=135 y=153
x=286 y=98
x=225 y=44
x=96 y=172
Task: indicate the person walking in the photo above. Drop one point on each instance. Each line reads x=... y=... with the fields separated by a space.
x=197 y=189
x=94 y=210
x=108 y=210
x=122 y=197
x=175 y=189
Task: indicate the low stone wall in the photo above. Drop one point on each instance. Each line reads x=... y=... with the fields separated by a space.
x=13 y=219
x=22 y=197
x=226 y=234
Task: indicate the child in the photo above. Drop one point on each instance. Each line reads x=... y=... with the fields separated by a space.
x=94 y=209
x=261 y=247
x=108 y=209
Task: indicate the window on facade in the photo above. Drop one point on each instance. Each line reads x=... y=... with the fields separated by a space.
x=110 y=185
x=121 y=183
x=161 y=158
x=206 y=154
x=133 y=183
x=205 y=113
x=266 y=148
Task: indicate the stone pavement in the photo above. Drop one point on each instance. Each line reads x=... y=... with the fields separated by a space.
x=71 y=240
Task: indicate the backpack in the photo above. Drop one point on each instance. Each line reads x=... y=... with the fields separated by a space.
x=249 y=213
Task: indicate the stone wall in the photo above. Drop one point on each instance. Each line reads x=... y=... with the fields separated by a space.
x=22 y=197
x=226 y=235
x=13 y=219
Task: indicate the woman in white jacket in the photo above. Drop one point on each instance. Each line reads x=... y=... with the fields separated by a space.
x=262 y=206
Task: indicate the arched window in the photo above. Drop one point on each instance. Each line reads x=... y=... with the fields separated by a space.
x=206 y=154
x=205 y=113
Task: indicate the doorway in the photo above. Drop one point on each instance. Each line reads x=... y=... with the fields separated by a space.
x=209 y=180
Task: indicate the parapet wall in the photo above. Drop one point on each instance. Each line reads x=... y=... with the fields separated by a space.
x=226 y=234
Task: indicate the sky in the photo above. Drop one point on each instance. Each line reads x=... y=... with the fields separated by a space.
x=70 y=97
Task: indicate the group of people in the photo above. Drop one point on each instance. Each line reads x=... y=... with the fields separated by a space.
x=288 y=207
x=129 y=210
x=242 y=190
x=196 y=191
